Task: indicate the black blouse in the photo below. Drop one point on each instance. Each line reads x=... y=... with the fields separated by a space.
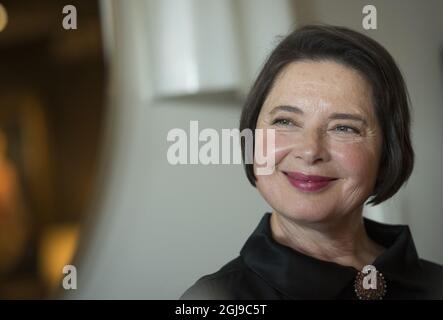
x=266 y=269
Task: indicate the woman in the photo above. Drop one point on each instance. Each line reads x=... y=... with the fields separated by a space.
x=339 y=108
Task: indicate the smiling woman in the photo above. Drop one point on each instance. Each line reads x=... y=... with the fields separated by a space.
x=340 y=111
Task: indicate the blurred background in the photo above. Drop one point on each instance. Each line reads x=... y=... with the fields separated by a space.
x=84 y=116
x=51 y=117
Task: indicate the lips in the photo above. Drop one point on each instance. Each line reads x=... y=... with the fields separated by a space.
x=309 y=183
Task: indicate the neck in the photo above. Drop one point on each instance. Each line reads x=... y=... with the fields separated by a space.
x=343 y=241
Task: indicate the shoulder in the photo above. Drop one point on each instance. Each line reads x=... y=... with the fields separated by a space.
x=431 y=266
x=233 y=281
x=217 y=285
x=431 y=271
x=432 y=278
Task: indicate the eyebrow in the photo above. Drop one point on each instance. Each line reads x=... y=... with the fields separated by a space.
x=334 y=116
x=287 y=108
x=346 y=116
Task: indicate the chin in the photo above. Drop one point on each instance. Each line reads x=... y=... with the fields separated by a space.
x=307 y=213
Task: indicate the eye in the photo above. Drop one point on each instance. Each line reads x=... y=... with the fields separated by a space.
x=282 y=122
x=346 y=129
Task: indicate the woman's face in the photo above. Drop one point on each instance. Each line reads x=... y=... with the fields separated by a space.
x=325 y=125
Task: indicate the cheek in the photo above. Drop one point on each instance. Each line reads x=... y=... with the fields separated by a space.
x=278 y=149
x=356 y=160
x=283 y=145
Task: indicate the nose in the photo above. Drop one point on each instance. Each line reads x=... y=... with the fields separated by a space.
x=311 y=148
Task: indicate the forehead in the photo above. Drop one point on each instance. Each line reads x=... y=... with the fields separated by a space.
x=320 y=83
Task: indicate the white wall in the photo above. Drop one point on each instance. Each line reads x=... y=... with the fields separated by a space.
x=159 y=227
x=156 y=227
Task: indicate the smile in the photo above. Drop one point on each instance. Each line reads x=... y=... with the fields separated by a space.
x=308 y=183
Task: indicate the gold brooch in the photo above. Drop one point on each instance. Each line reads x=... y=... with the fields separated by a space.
x=370 y=284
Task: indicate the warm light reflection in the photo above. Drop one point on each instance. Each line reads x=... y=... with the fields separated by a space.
x=57 y=248
x=3 y=17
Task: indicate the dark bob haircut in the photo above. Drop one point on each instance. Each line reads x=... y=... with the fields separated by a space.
x=361 y=53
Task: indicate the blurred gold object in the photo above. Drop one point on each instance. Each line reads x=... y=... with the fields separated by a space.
x=3 y=17
x=12 y=225
x=57 y=248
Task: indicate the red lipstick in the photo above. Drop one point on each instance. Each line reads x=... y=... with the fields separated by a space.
x=308 y=183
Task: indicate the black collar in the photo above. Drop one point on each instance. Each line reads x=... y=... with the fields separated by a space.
x=299 y=276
